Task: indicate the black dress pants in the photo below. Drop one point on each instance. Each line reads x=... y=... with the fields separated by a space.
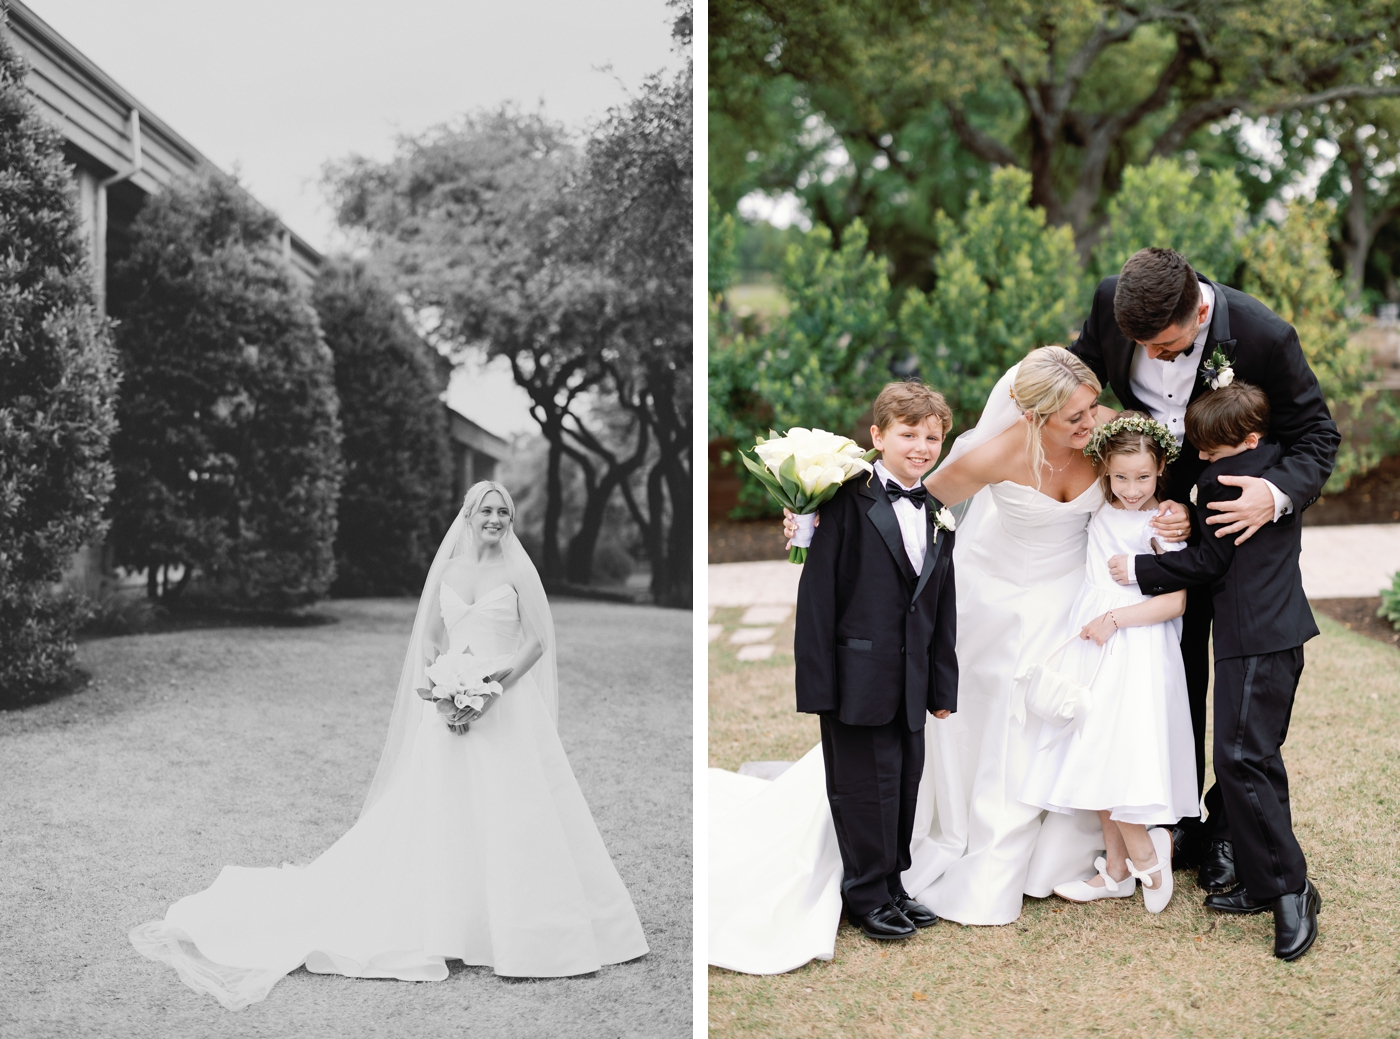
x=1253 y=703
x=1195 y=656
x=872 y=782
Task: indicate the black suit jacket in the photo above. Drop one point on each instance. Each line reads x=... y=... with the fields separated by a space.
x=1258 y=588
x=873 y=637
x=1265 y=352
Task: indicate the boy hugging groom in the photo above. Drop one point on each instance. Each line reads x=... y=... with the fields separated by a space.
x=876 y=627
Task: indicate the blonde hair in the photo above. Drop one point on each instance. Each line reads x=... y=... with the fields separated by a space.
x=1045 y=381
x=477 y=492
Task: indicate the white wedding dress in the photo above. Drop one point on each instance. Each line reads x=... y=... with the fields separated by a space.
x=775 y=870
x=482 y=849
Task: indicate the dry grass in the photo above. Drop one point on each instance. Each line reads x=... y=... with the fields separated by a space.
x=253 y=746
x=1110 y=968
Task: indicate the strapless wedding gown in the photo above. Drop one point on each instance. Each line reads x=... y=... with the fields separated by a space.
x=486 y=853
x=775 y=870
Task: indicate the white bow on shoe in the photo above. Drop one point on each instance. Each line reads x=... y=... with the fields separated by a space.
x=1156 y=897
x=1083 y=891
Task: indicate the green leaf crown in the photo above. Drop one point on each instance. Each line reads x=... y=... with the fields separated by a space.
x=1148 y=427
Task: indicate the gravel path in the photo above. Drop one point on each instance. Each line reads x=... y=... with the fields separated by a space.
x=255 y=746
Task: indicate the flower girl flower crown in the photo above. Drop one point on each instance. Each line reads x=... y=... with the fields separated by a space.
x=1148 y=427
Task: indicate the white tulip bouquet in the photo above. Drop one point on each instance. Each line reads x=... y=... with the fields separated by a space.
x=802 y=470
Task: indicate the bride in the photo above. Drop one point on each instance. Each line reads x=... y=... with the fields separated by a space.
x=775 y=870
x=472 y=845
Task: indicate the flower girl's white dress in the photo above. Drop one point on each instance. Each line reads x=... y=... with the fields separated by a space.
x=1133 y=752
x=485 y=851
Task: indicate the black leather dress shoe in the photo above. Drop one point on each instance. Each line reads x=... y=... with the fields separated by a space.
x=1186 y=847
x=1217 y=867
x=916 y=913
x=1236 y=900
x=885 y=923
x=1295 y=922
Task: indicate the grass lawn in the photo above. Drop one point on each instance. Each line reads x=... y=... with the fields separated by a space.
x=254 y=746
x=1110 y=969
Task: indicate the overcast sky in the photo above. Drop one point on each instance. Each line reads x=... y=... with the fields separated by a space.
x=278 y=87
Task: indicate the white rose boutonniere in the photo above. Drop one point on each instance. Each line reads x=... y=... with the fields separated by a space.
x=943 y=520
x=1218 y=370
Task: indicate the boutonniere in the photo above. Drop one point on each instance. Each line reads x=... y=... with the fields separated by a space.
x=1193 y=494
x=943 y=520
x=1218 y=370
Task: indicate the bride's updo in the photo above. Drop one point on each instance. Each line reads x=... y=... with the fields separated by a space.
x=1047 y=378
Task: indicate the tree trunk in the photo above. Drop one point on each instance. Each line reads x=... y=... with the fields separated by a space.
x=1357 y=243
x=554 y=504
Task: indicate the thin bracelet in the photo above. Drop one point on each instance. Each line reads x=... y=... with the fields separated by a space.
x=1113 y=619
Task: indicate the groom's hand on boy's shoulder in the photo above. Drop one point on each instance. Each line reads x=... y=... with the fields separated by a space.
x=1254 y=508
x=1172 y=522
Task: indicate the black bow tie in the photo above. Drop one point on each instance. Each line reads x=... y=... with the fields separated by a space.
x=918 y=495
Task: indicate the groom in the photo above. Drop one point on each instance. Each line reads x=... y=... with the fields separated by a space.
x=1150 y=331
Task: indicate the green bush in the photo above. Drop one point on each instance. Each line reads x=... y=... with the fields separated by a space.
x=1390 y=603
x=57 y=387
x=228 y=455
x=1202 y=216
x=396 y=497
x=820 y=367
x=1006 y=284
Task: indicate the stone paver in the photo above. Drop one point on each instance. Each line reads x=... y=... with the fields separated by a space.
x=762 y=652
x=765 y=615
x=745 y=635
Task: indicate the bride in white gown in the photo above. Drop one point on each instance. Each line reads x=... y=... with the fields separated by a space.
x=477 y=846
x=775 y=870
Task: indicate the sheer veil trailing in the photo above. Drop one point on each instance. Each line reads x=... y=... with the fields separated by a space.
x=998 y=415
x=535 y=616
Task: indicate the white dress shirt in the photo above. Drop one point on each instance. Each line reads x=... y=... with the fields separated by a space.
x=1165 y=387
x=913 y=521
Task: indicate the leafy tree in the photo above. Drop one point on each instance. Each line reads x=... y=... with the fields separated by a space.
x=1007 y=282
x=1073 y=91
x=396 y=496
x=228 y=457
x=57 y=388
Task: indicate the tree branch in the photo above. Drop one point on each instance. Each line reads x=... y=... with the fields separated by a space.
x=983 y=145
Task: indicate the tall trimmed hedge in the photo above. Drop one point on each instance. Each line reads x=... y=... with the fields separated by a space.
x=228 y=456
x=396 y=499
x=57 y=385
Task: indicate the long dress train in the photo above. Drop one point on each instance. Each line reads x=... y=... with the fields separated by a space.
x=483 y=851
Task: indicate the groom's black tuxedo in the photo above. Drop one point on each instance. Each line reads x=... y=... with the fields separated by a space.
x=875 y=653
x=1265 y=351
x=1262 y=621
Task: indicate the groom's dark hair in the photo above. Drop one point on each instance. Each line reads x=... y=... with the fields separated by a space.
x=1156 y=290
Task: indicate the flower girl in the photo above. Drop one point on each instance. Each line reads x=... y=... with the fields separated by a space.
x=1128 y=751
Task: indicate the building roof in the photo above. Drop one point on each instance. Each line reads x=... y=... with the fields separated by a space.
x=93 y=113
x=465 y=431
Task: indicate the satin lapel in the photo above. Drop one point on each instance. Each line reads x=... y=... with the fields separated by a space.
x=1219 y=336
x=881 y=513
x=935 y=546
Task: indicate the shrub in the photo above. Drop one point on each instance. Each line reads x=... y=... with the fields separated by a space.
x=1006 y=284
x=228 y=456
x=57 y=386
x=395 y=500
x=823 y=365
x=1390 y=602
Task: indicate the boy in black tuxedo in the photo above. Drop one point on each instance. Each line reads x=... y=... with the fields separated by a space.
x=876 y=627
x=1262 y=619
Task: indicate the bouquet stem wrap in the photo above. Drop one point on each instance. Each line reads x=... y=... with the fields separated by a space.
x=803 y=469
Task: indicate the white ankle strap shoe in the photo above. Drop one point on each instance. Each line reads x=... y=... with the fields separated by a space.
x=1083 y=891
x=1157 y=878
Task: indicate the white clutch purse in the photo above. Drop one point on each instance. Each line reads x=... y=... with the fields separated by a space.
x=1054 y=696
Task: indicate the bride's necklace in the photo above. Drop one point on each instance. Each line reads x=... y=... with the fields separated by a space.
x=1056 y=472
